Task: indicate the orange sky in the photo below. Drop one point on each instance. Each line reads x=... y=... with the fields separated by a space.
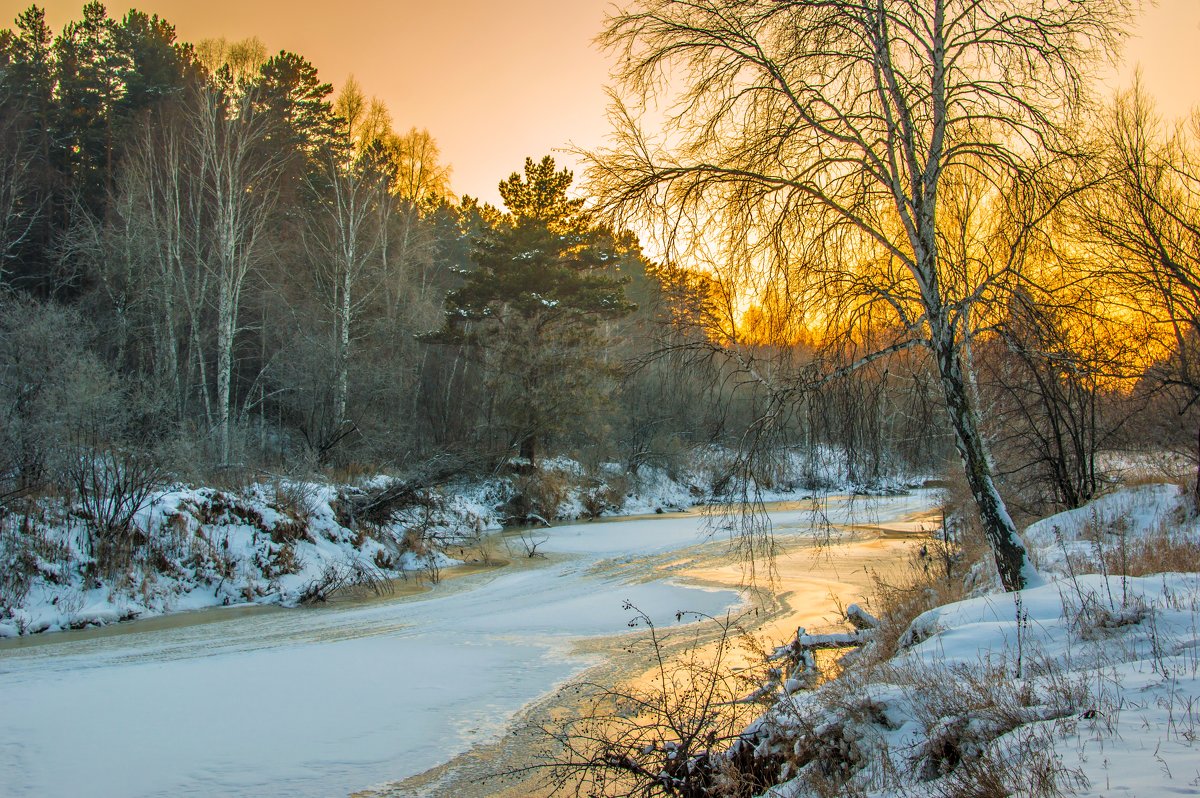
x=497 y=81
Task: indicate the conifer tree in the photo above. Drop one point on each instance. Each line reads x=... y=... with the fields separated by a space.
x=545 y=276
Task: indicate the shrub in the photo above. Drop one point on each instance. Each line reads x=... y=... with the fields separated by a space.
x=539 y=494
x=112 y=486
x=51 y=387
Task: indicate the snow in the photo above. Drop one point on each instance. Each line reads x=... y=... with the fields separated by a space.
x=323 y=701
x=212 y=548
x=254 y=700
x=313 y=702
x=1091 y=677
x=269 y=543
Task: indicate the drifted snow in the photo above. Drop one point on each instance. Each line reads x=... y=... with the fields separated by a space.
x=1107 y=667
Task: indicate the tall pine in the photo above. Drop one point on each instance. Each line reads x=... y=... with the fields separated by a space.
x=544 y=278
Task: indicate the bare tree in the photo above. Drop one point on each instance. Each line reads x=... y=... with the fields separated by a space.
x=165 y=201
x=352 y=199
x=822 y=141
x=1055 y=383
x=1145 y=220
x=240 y=177
x=420 y=173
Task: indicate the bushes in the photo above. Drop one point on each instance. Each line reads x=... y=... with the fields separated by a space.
x=538 y=495
x=18 y=563
x=52 y=389
x=112 y=486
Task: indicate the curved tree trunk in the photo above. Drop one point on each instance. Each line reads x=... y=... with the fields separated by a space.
x=1007 y=547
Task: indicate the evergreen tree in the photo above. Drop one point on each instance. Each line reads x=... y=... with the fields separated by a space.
x=92 y=73
x=27 y=105
x=545 y=276
x=158 y=66
x=291 y=92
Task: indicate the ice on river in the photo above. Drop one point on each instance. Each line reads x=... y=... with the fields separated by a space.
x=323 y=702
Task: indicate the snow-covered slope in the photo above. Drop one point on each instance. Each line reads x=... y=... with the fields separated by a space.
x=267 y=544
x=284 y=542
x=1087 y=685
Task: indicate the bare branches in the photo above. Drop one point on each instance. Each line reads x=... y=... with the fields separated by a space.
x=664 y=734
x=817 y=141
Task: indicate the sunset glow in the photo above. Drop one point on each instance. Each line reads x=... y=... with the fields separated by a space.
x=496 y=82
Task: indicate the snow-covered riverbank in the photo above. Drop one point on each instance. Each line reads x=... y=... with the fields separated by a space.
x=1087 y=685
x=286 y=541
x=321 y=702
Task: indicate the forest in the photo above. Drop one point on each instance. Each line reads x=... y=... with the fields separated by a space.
x=213 y=267
x=211 y=262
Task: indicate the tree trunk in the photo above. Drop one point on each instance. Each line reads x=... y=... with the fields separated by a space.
x=1196 y=487
x=225 y=330
x=342 y=386
x=1007 y=547
x=529 y=450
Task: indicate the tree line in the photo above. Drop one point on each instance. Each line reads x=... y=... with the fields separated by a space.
x=210 y=260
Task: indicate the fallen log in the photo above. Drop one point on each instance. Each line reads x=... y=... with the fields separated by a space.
x=800 y=671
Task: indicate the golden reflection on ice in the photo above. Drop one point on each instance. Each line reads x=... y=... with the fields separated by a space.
x=814 y=578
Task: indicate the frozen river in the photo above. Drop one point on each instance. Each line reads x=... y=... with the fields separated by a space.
x=323 y=702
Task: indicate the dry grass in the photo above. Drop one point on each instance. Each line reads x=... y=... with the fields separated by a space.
x=936 y=572
x=982 y=734
x=1165 y=550
x=1171 y=547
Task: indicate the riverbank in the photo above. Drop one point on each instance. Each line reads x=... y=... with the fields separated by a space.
x=1086 y=685
x=288 y=542
x=330 y=700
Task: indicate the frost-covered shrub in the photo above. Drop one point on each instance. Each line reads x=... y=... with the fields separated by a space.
x=604 y=493
x=112 y=486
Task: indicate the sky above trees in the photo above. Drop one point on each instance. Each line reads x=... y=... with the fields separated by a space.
x=496 y=82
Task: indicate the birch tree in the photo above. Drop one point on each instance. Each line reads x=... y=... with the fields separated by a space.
x=239 y=178
x=352 y=198
x=167 y=200
x=817 y=139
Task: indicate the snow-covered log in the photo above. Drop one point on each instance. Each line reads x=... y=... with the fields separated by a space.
x=800 y=654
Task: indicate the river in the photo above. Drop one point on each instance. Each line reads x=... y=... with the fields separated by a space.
x=373 y=694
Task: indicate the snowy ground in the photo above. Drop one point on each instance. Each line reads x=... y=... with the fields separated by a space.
x=321 y=702
x=1089 y=683
x=267 y=544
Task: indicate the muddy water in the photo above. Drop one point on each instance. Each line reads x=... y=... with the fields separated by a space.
x=812 y=580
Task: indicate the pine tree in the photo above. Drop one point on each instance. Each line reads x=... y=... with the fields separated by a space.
x=545 y=276
x=92 y=73
x=32 y=147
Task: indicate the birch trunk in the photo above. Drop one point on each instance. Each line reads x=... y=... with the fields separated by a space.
x=1007 y=548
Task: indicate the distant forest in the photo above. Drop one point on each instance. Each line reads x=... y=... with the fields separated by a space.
x=210 y=261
